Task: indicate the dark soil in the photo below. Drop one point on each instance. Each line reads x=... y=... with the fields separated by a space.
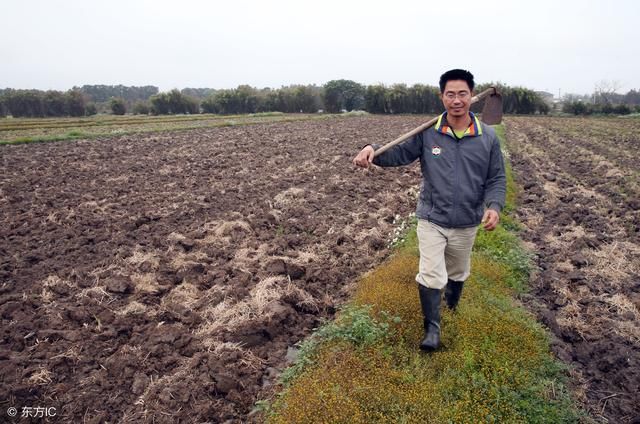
x=580 y=209
x=164 y=278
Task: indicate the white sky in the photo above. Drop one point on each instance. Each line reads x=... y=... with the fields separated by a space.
x=543 y=45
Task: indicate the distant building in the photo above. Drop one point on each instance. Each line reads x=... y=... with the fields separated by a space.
x=546 y=96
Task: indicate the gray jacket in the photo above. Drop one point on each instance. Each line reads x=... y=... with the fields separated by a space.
x=460 y=177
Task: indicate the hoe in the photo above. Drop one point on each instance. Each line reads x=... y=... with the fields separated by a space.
x=491 y=115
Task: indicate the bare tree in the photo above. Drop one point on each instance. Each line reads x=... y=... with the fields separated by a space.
x=606 y=91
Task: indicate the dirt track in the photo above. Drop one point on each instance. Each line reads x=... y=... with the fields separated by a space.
x=163 y=278
x=581 y=210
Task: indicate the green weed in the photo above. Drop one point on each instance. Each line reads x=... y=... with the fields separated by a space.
x=354 y=325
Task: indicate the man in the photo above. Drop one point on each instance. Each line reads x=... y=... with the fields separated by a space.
x=463 y=185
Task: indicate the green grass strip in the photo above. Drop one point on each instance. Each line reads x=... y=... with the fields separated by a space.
x=495 y=365
x=13 y=124
x=229 y=122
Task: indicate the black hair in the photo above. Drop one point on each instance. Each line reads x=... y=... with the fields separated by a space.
x=454 y=75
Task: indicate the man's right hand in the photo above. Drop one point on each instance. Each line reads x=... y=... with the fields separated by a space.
x=365 y=157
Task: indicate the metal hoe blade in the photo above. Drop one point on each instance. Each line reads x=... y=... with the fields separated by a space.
x=492 y=109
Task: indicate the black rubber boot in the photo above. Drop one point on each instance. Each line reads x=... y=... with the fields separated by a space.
x=452 y=293
x=430 y=301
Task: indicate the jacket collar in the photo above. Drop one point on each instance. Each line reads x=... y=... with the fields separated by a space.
x=474 y=129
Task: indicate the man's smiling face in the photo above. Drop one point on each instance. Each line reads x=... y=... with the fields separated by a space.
x=456 y=98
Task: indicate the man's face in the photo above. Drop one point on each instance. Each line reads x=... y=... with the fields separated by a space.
x=456 y=98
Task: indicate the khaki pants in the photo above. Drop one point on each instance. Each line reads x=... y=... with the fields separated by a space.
x=445 y=253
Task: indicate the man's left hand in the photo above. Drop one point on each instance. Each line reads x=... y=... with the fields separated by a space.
x=490 y=219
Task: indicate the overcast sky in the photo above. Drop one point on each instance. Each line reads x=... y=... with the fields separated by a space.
x=546 y=45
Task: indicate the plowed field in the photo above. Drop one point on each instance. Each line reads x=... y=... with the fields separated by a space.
x=163 y=278
x=581 y=210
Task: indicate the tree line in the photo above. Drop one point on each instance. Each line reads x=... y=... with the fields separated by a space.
x=346 y=95
x=579 y=107
x=39 y=104
x=104 y=93
x=79 y=101
x=333 y=97
x=603 y=101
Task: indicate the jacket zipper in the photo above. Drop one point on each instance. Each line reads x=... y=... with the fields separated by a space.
x=453 y=221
